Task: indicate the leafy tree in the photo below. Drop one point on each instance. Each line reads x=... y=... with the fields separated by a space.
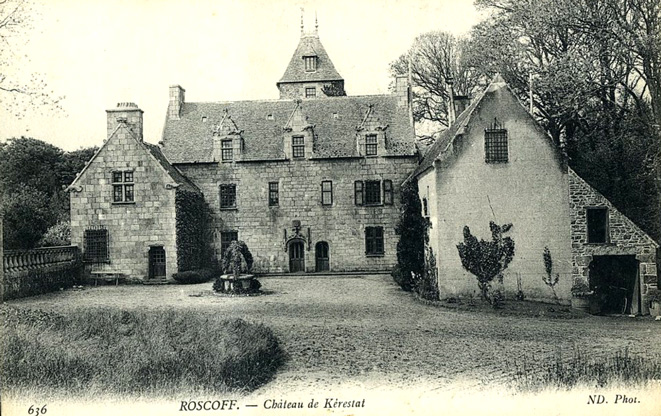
x=435 y=57
x=487 y=260
x=412 y=231
x=550 y=280
x=32 y=177
x=27 y=216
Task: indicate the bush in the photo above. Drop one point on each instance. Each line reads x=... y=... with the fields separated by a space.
x=57 y=235
x=487 y=260
x=237 y=259
x=412 y=230
x=97 y=350
x=194 y=276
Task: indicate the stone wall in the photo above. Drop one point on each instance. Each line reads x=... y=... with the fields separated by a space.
x=132 y=227
x=341 y=225
x=625 y=238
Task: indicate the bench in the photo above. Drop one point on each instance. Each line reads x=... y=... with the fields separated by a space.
x=106 y=276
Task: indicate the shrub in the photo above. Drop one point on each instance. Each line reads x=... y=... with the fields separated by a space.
x=550 y=280
x=57 y=235
x=412 y=230
x=237 y=259
x=487 y=260
x=194 y=276
x=127 y=351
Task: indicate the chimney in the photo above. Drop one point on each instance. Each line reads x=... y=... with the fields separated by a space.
x=127 y=113
x=451 y=113
x=461 y=102
x=177 y=99
x=402 y=90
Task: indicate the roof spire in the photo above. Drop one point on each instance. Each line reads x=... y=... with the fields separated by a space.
x=302 y=27
x=316 y=24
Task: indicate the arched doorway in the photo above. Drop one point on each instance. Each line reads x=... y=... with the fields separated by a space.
x=296 y=256
x=322 y=263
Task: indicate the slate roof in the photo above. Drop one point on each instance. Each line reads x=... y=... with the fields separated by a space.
x=174 y=173
x=189 y=139
x=309 y=45
x=448 y=135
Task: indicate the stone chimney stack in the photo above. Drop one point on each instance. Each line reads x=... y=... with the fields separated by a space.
x=402 y=90
x=177 y=100
x=128 y=113
x=461 y=102
x=452 y=116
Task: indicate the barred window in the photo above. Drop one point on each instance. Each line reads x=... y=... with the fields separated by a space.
x=310 y=92
x=274 y=194
x=298 y=146
x=310 y=63
x=597 y=221
x=226 y=150
x=374 y=241
x=122 y=186
x=228 y=196
x=387 y=192
x=372 y=192
x=326 y=193
x=370 y=145
x=226 y=237
x=95 y=245
x=495 y=143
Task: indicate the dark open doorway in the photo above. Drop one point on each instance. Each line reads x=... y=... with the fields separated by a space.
x=321 y=257
x=296 y=257
x=157 y=262
x=614 y=280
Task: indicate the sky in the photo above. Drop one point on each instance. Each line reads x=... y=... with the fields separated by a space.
x=97 y=53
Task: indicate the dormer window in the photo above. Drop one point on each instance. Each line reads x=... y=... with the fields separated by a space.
x=371 y=146
x=310 y=63
x=298 y=147
x=495 y=144
x=226 y=151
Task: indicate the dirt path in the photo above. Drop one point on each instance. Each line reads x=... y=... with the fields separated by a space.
x=365 y=331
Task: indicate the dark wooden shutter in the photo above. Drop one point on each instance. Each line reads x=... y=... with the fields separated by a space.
x=387 y=192
x=358 y=192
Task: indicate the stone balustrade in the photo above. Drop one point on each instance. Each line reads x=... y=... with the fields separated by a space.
x=21 y=260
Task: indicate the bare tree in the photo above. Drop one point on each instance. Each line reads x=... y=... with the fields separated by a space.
x=18 y=94
x=435 y=56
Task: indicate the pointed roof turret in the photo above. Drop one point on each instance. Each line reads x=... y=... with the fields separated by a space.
x=321 y=69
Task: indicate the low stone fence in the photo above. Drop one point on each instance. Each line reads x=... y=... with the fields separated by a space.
x=40 y=270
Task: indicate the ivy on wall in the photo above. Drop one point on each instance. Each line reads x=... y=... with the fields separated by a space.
x=193 y=219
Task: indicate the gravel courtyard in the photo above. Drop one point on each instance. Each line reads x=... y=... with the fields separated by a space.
x=362 y=328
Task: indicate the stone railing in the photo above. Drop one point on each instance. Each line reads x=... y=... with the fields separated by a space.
x=20 y=260
x=40 y=270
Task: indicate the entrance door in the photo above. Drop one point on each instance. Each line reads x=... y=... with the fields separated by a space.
x=614 y=280
x=321 y=257
x=296 y=257
x=157 y=263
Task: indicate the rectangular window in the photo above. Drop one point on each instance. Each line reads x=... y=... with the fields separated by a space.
x=387 y=192
x=597 y=219
x=425 y=208
x=495 y=145
x=96 y=245
x=226 y=150
x=226 y=237
x=274 y=194
x=228 y=196
x=358 y=193
x=298 y=147
x=310 y=63
x=374 y=241
x=310 y=92
x=326 y=193
x=372 y=192
x=122 y=186
x=370 y=145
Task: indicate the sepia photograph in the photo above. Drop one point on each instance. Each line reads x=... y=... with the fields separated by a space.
x=330 y=207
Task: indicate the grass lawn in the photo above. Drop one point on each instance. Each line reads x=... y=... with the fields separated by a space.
x=113 y=351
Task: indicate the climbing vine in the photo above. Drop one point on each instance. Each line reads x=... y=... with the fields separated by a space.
x=193 y=219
